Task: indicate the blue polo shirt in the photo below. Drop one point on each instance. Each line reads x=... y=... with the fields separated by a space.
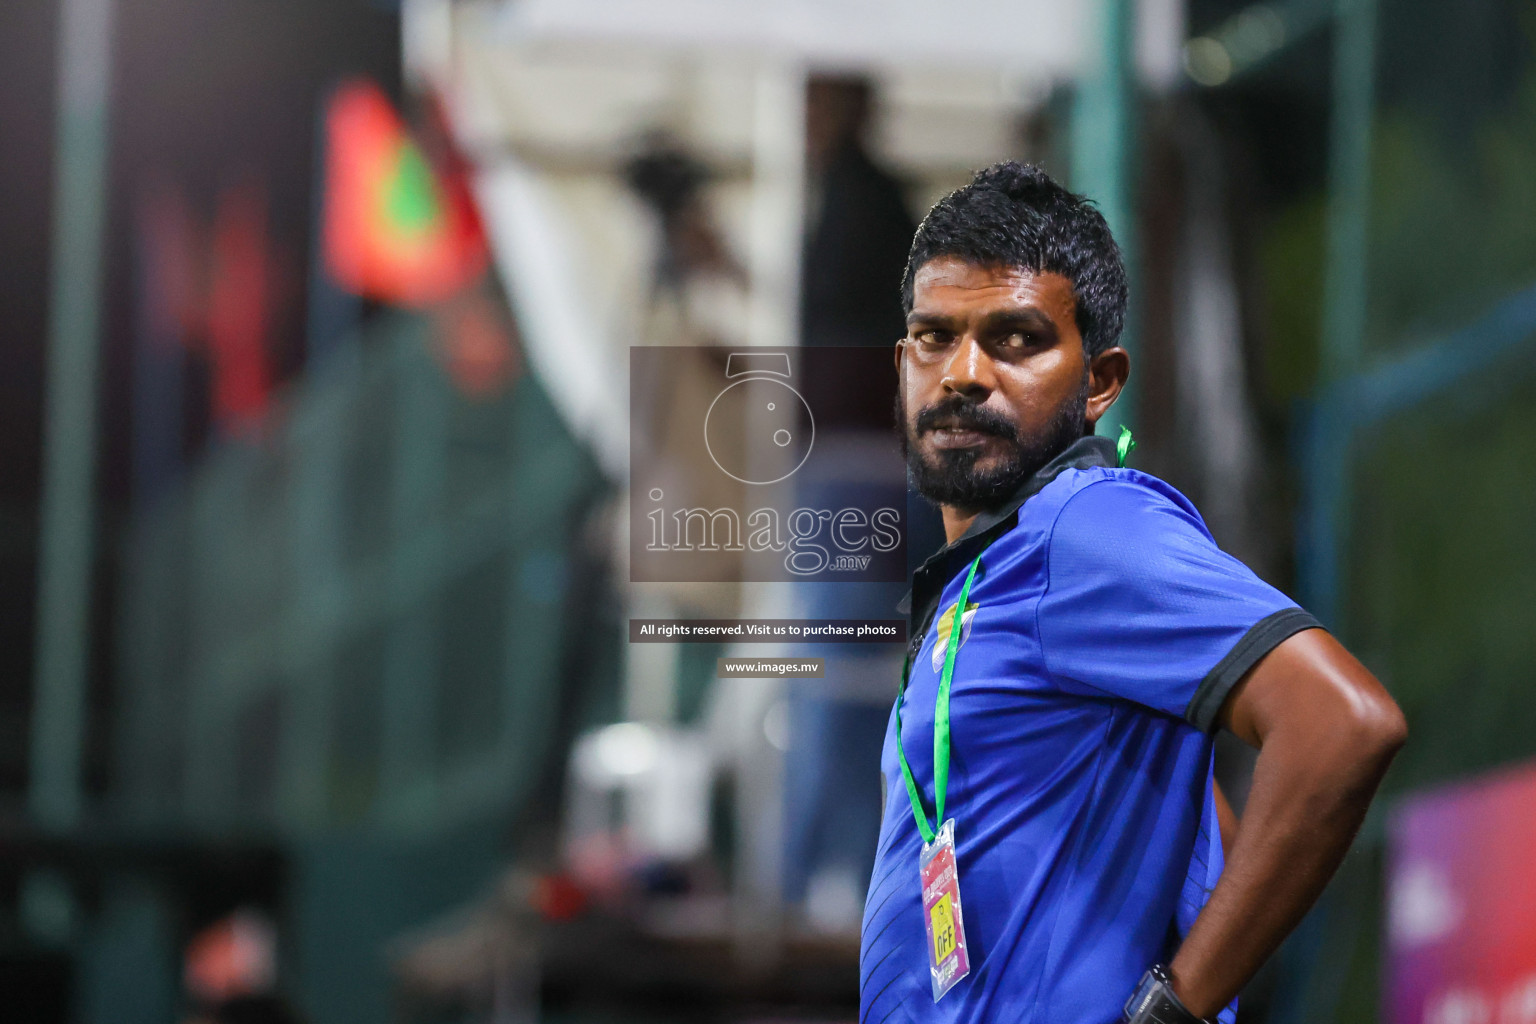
x=1102 y=633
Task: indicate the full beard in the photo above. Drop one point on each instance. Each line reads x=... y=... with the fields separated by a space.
x=951 y=476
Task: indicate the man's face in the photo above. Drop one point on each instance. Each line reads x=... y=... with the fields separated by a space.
x=994 y=380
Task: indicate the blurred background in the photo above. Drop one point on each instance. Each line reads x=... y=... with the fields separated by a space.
x=315 y=697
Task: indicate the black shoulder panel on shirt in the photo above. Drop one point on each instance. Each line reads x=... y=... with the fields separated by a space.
x=1264 y=636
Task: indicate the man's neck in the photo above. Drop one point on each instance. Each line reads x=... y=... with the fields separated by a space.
x=956 y=522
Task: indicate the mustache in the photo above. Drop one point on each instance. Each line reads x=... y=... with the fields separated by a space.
x=959 y=413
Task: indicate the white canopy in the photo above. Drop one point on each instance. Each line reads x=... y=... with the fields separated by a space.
x=1045 y=37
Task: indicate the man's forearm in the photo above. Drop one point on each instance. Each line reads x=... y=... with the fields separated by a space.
x=1309 y=796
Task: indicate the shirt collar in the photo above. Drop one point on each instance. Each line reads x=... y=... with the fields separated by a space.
x=929 y=580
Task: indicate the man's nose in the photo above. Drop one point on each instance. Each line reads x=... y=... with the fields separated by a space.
x=969 y=370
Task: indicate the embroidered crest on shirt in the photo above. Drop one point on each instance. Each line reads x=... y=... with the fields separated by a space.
x=941 y=633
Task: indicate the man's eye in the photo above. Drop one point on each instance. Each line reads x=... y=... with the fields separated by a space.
x=1019 y=340
x=931 y=338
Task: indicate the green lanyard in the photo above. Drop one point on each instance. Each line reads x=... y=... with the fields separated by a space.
x=1123 y=448
x=940 y=722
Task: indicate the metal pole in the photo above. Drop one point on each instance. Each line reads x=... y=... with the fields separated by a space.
x=69 y=432
x=1349 y=174
x=1326 y=493
x=1101 y=145
x=1326 y=499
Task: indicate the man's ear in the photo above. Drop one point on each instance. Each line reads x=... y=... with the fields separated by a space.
x=1107 y=373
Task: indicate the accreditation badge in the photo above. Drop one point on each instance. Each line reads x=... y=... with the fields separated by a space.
x=948 y=960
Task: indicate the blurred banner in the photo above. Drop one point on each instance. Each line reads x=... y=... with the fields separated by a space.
x=1461 y=934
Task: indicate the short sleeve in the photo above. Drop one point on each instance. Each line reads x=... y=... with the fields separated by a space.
x=1141 y=604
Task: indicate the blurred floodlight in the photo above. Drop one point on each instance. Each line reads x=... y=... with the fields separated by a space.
x=1243 y=40
x=628 y=748
x=1207 y=61
x=1040 y=34
x=1255 y=33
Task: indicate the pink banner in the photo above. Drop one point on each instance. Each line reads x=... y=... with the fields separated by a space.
x=1461 y=904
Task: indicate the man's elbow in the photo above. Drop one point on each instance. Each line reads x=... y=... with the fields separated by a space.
x=1375 y=729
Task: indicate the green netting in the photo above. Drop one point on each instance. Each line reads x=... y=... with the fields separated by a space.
x=1437 y=571
x=356 y=727
x=1442 y=572
x=471 y=631
x=358 y=619
x=1453 y=190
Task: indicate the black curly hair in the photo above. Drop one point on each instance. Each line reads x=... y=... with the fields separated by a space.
x=1015 y=215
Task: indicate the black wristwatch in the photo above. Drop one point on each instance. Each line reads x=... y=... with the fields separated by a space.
x=1153 y=1002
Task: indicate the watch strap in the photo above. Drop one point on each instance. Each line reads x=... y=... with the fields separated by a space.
x=1154 y=1002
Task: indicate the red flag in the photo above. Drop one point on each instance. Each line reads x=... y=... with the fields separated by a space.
x=395 y=229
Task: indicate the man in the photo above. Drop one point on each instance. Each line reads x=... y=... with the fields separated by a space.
x=1093 y=638
x=857 y=222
